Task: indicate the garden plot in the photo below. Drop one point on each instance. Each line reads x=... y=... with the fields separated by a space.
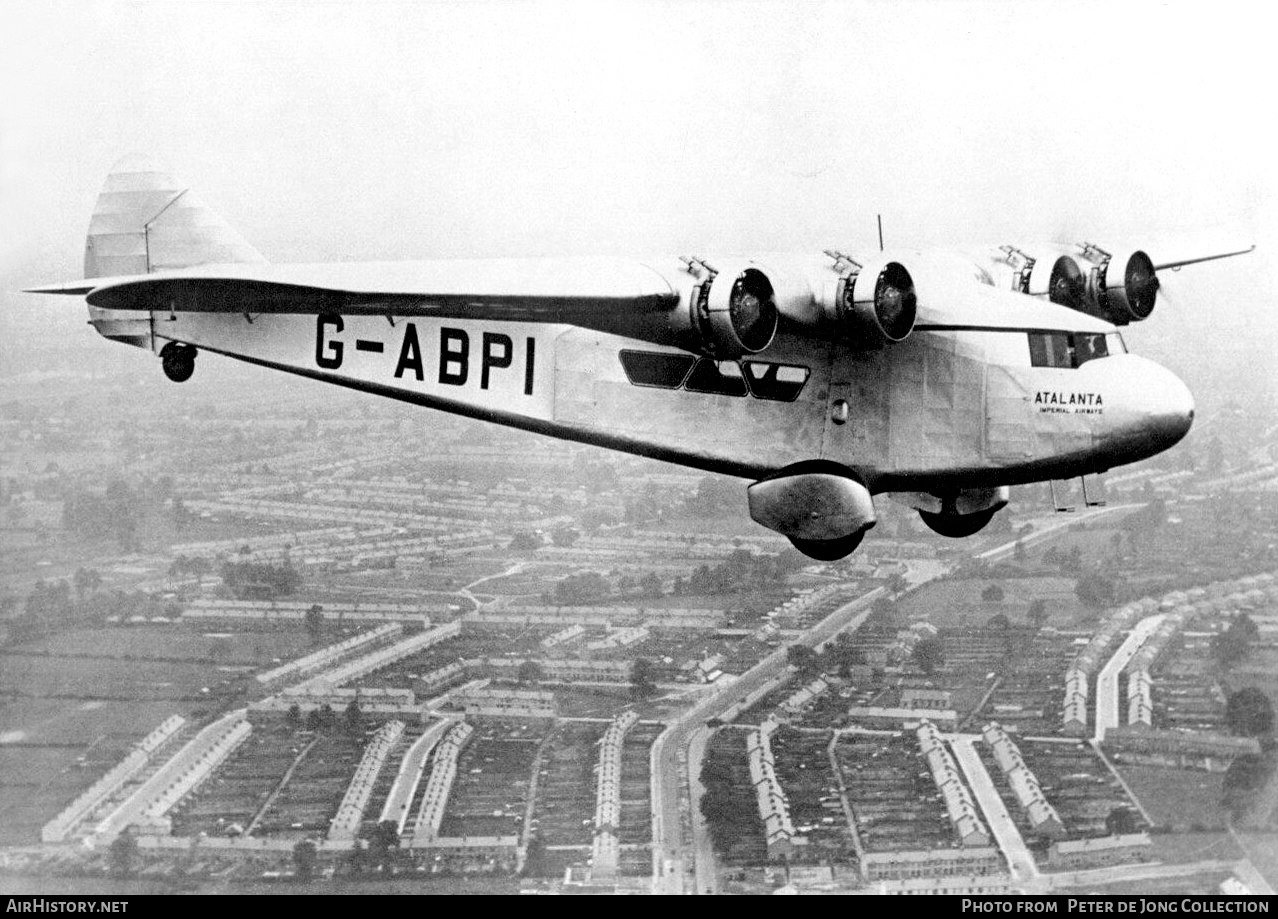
x=565 y=808
x=309 y=799
x=735 y=828
x=490 y=793
x=803 y=767
x=1078 y=783
x=1030 y=694
x=226 y=803
x=894 y=799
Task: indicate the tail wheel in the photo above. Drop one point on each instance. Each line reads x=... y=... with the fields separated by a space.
x=828 y=550
x=956 y=526
x=178 y=361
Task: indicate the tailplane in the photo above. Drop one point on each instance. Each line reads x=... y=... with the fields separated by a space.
x=146 y=222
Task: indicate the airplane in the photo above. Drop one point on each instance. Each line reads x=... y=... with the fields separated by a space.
x=826 y=378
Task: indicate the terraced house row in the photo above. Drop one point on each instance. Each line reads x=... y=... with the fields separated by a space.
x=962 y=811
x=606 y=847
x=774 y=806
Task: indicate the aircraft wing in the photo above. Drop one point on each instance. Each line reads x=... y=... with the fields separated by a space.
x=523 y=290
x=1181 y=261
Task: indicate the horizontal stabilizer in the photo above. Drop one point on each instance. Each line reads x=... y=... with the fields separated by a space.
x=145 y=222
x=69 y=288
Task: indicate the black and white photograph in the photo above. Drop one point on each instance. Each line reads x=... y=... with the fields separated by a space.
x=679 y=448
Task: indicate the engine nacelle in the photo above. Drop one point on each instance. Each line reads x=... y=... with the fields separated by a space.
x=872 y=304
x=1125 y=286
x=730 y=309
x=1117 y=288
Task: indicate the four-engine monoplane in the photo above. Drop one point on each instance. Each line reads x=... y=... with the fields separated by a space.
x=825 y=377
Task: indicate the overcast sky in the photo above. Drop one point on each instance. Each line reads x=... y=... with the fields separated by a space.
x=371 y=131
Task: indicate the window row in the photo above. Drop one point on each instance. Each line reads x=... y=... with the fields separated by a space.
x=763 y=380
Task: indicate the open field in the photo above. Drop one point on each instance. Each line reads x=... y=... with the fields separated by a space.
x=182 y=643
x=959 y=604
x=1202 y=883
x=1262 y=850
x=58 y=677
x=1183 y=798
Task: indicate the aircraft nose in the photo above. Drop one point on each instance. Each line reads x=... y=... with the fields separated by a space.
x=1172 y=413
x=1155 y=409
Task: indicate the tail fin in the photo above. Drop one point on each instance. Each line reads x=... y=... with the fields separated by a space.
x=146 y=222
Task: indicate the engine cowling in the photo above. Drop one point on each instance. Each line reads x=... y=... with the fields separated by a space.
x=872 y=304
x=731 y=309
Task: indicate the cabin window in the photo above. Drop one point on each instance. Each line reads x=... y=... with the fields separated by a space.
x=655 y=368
x=1050 y=349
x=721 y=378
x=777 y=382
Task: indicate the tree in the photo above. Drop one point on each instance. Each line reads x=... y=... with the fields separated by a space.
x=1122 y=821
x=1037 y=613
x=650 y=585
x=354 y=716
x=1249 y=712
x=529 y=672
x=294 y=715
x=999 y=622
x=304 y=854
x=525 y=541
x=535 y=858
x=315 y=621
x=81 y=581
x=642 y=685
x=717 y=496
x=1094 y=591
x=359 y=857
x=181 y=516
x=254 y=581
x=929 y=654
x=803 y=658
x=122 y=854
x=992 y=594
x=384 y=842
x=881 y=614
x=1244 y=779
x=897 y=585
x=1232 y=645
x=313 y=720
x=581 y=589
x=564 y=536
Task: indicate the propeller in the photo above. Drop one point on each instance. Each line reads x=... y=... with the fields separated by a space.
x=1067 y=285
x=1141 y=284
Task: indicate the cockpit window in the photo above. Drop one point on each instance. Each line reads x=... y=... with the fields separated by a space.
x=1088 y=347
x=1072 y=349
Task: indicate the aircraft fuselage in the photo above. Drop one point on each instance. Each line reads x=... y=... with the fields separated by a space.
x=949 y=408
